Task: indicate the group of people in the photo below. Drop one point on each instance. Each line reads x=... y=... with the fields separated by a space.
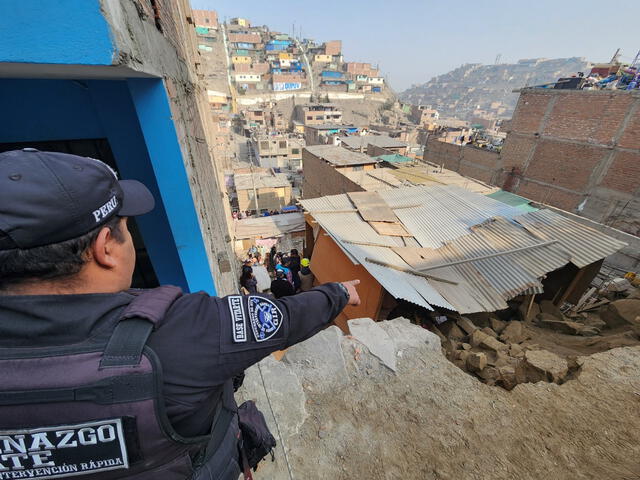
x=292 y=274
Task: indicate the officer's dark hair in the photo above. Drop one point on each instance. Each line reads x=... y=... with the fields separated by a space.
x=51 y=262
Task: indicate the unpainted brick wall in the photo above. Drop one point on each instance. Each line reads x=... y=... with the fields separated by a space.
x=321 y=178
x=574 y=149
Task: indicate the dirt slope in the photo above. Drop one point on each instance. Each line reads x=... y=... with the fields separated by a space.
x=342 y=414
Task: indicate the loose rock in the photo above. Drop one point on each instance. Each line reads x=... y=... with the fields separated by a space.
x=467 y=325
x=513 y=333
x=498 y=325
x=621 y=312
x=451 y=330
x=568 y=327
x=489 y=332
x=546 y=306
x=476 y=361
x=542 y=365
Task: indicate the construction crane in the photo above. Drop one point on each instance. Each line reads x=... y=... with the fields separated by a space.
x=498 y=58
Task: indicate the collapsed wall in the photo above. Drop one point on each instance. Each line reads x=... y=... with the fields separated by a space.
x=384 y=402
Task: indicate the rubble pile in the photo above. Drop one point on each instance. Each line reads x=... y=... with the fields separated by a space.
x=385 y=403
x=507 y=353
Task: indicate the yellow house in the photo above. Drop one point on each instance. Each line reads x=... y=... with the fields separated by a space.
x=322 y=58
x=240 y=59
x=243 y=22
x=285 y=56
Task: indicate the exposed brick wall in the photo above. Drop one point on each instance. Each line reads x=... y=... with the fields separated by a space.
x=566 y=165
x=321 y=178
x=473 y=162
x=624 y=173
x=516 y=151
x=573 y=149
x=528 y=114
x=441 y=153
x=547 y=194
x=484 y=158
x=595 y=120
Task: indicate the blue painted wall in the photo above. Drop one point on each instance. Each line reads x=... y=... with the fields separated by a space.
x=154 y=116
x=60 y=31
x=135 y=118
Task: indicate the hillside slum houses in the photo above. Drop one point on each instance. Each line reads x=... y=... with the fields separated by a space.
x=265 y=60
x=443 y=248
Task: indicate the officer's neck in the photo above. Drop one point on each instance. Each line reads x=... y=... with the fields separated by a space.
x=88 y=280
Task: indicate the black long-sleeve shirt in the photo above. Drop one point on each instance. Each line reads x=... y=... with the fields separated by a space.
x=202 y=342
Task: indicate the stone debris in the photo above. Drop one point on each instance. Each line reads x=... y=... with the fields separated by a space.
x=544 y=366
x=476 y=361
x=372 y=336
x=383 y=424
x=513 y=333
x=466 y=325
x=621 y=312
x=498 y=325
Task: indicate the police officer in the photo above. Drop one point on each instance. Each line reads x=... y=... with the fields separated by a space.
x=102 y=382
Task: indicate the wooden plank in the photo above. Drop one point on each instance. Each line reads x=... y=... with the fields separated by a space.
x=391 y=229
x=372 y=207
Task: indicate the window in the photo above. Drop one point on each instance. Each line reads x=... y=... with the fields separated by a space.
x=295 y=151
x=264 y=145
x=358 y=168
x=309 y=118
x=319 y=117
x=206 y=20
x=282 y=144
x=257 y=114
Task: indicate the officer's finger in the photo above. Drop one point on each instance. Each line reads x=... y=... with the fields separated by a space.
x=353 y=282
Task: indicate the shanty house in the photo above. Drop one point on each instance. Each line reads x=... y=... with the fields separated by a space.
x=443 y=247
x=324 y=166
x=262 y=191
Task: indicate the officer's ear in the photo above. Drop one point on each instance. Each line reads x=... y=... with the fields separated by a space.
x=103 y=249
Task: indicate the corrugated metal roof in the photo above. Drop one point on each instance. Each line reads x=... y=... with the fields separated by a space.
x=513 y=200
x=443 y=212
x=585 y=245
x=339 y=156
x=425 y=174
x=374 y=180
x=450 y=224
x=382 y=141
x=271 y=226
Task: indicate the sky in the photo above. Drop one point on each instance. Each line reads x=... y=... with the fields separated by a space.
x=415 y=40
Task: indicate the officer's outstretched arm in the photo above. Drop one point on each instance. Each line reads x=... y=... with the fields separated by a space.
x=253 y=326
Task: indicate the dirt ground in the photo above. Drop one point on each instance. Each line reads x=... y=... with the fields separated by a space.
x=431 y=420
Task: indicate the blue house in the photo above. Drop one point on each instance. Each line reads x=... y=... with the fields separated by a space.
x=82 y=86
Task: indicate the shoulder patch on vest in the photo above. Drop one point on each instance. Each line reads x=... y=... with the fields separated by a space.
x=238 y=319
x=265 y=318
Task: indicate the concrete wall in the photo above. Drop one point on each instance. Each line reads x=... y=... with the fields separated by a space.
x=268 y=198
x=322 y=178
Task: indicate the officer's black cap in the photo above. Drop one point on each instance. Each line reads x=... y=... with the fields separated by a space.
x=50 y=197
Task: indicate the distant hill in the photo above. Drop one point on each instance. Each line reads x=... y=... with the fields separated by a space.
x=474 y=88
